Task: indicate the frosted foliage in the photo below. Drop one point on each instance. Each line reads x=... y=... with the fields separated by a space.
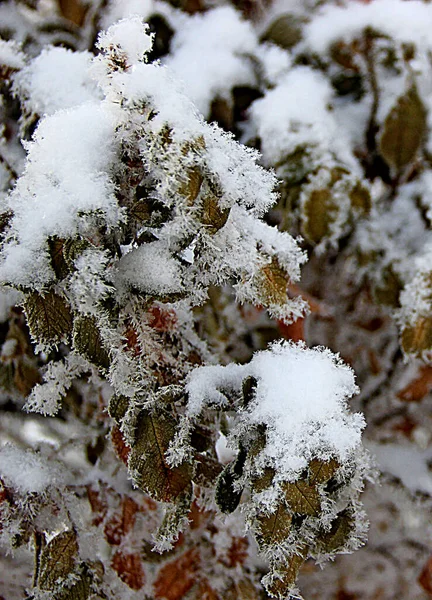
x=215 y=45
x=300 y=396
x=400 y=20
x=49 y=196
x=26 y=471
x=151 y=269
x=56 y=79
x=11 y=55
x=295 y=114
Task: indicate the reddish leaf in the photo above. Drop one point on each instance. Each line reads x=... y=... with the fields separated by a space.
x=425 y=579
x=176 y=578
x=418 y=387
x=129 y=568
x=121 y=522
x=121 y=448
x=162 y=319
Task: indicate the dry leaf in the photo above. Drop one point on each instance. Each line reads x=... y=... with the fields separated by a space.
x=147 y=460
x=128 y=567
x=49 y=318
x=176 y=578
x=302 y=498
x=404 y=130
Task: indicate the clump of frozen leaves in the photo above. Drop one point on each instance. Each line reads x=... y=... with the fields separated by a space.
x=130 y=207
x=299 y=459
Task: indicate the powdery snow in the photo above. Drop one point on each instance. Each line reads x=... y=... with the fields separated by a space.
x=57 y=78
x=215 y=45
x=26 y=471
x=301 y=396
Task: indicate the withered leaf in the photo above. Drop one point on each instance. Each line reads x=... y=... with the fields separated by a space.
x=140 y=211
x=318 y=215
x=302 y=497
x=286 y=576
x=262 y=483
x=88 y=342
x=404 y=130
x=284 y=31
x=57 y=559
x=118 y=406
x=417 y=338
x=360 y=198
x=248 y=389
x=49 y=317
x=242 y=590
x=273 y=283
x=128 y=567
x=334 y=539
x=176 y=578
x=58 y=261
x=175 y=517
x=213 y=215
x=147 y=461
x=274 y=528
x=226 y=495
x=207 y=469
x=191 y=187
x=321 y=471
x=79 y=590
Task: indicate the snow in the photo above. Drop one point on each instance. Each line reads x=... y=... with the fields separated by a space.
x=301 y=396
x=11 y=55
x=152 y=269
x=407 y=463
x=26 y=471
x=295 y=114
x=57 y=78
x=402 y=21
x=215 y=45
x=66 y=173
x=120 y=9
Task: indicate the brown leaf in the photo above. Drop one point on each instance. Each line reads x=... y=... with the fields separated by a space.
x=147 y=460
x=273 y=284
x=121 y=448
x=418 y=387
x=49 y=317
x=121 y=521
x=404 y=130
x=302 y=498
x=321 y=471
x=128 y=567
x=318 y=215
x=57 y=559
x=286 y=576
x=285 y=31
x=417 y=338
x=88 y=341
x=274 y=528
x=425 y=578
x=334 y=539
x=74 y=11
x=176 y=578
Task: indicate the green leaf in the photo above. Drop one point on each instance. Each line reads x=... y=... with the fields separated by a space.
x=302 y=498
x=88 y=341
x=49 y=318
x=404 y=130
x=147 y=461
x=274 y=528
x=57 y=559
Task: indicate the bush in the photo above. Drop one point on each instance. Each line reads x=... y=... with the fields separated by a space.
x=176 y=423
